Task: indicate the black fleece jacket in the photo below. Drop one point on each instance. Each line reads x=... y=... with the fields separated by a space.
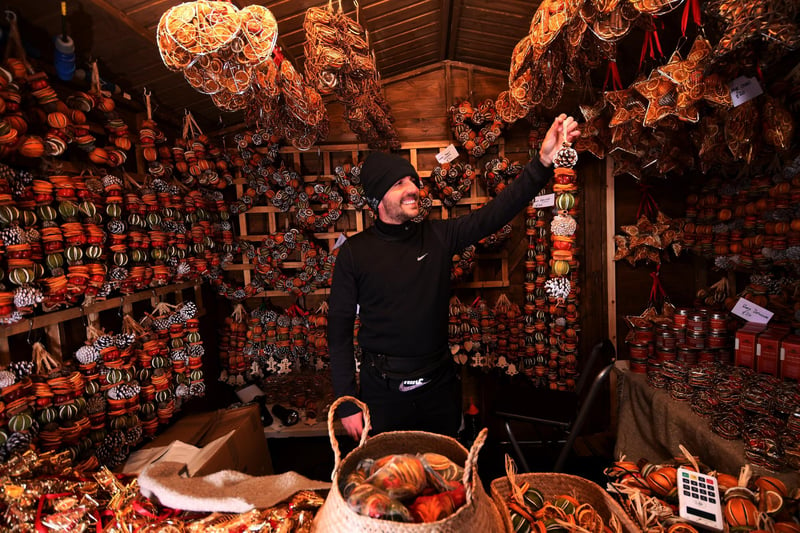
x=399 y=276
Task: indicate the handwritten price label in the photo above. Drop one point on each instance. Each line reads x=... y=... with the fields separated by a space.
x=545 y=200
x=744 y=89
x=447 y=155
x=751 y=312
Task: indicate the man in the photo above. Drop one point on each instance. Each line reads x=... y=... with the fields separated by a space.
x=396 y=275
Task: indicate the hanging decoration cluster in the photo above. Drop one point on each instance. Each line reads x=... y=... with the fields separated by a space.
x=267 y=342
x=118 y=389
x=338 y=61
x=216 y=45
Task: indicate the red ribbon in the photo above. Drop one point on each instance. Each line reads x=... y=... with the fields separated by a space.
x=647 y=204
x=657 y=289
x=41 y=528
x=476 y=301
x=612 y=72
x=651 y=43
x=277 y=56
x=694 y=7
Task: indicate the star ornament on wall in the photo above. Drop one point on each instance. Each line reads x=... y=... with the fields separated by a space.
x=661 y=95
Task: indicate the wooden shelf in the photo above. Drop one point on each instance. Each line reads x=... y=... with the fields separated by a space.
x=55 y=317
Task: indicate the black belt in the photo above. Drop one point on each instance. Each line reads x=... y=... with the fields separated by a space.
x=403 y=368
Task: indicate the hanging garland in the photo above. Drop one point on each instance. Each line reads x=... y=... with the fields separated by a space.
x=561 y=287
x=537 y=316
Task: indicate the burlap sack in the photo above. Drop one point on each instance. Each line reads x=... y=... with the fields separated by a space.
x=477 y=514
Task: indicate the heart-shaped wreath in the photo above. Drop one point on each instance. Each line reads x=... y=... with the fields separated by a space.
x=452 y=181
x=476 y=128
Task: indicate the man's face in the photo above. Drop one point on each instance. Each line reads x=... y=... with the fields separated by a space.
x=400 y=203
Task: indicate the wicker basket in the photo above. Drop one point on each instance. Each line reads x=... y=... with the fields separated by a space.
x=552 y=485
x=478 y=514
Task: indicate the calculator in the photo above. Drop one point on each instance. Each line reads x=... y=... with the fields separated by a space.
x=698 y=499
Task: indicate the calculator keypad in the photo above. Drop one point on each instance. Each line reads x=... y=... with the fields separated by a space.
x=701 y=489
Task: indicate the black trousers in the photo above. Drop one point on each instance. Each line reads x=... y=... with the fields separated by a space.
x=434 y=407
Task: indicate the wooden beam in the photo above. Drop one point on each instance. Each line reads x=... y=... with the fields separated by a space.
x=123 y=17
x=611 y=268
x=452 y=33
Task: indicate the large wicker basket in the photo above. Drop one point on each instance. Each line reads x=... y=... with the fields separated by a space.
x=552 y=485
x=478 y=514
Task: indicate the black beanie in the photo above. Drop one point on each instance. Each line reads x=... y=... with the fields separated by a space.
x=380 y=172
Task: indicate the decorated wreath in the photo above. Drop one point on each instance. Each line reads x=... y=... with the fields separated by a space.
x=318 y=193
x=452 y=182
x=476 y=128
x=499 y=173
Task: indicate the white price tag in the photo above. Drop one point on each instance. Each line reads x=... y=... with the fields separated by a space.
x=447 y=155
x=545 y=200
x=744 y=89
x=751 y=312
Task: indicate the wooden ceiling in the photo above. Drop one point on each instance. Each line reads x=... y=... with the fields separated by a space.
x=405 y=34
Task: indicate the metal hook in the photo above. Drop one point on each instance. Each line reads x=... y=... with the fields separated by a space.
x=120 y=312
x=146 y=92
x=30 y=331
x=11 y=16
x=83 y=317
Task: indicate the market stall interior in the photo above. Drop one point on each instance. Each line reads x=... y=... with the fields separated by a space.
x=177 y=179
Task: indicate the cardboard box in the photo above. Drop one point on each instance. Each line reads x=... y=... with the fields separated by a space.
x=745 y=344
x=768 y=351
x=228 y=439
x=790 y=357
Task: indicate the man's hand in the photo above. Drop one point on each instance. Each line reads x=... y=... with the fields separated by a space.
x=354 y=425
x=555 y=136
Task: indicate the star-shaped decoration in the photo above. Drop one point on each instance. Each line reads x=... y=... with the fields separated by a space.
x=649 y=241
x=627 y=106
x=625 y=138
x=693 y=85
x=319 y=364
x=742 y=126
x=594 y=132
x=625 y=163
x=661 y=95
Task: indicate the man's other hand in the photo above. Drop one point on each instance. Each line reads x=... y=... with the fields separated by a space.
x=354 y=425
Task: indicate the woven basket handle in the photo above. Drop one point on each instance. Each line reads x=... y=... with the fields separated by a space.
x=471 y=466
x=337 y=455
